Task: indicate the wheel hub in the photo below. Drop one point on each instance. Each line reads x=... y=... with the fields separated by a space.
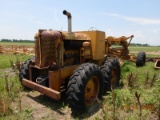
x=91 y=90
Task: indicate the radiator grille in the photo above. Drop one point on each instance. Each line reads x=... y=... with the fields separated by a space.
x=48 y=52
x=46 y=48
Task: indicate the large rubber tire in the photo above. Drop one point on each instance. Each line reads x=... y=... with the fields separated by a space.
x=24 y=71
x=111 y=73
x=141 y=59
x=84 y=88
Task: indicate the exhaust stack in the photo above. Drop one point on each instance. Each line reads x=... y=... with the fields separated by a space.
x=68 y=14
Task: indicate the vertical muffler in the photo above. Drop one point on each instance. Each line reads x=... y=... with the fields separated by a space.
x=68 y=14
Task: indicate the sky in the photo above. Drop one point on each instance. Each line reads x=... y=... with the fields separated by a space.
x=21 y=19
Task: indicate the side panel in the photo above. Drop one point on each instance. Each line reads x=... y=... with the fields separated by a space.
x=56 y=77
x=97 y=43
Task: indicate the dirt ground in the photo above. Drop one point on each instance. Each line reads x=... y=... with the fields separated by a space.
x=45 y=108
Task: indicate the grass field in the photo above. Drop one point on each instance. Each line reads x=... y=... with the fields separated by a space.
x=17 y=43
x=144 y=49
x=5 y=59
x=145 y=81
x=119 y=104
x=151 y=51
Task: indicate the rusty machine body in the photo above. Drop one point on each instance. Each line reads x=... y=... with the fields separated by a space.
x=122 y=52
x=1 y=49
x=58 y=54
x=157 y=64
x=73 y=63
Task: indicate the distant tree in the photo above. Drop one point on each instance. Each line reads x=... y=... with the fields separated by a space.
x=138 y=44
x=15 y=40
x=6 y=40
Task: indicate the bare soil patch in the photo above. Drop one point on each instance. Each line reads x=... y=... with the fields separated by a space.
x=43 y=107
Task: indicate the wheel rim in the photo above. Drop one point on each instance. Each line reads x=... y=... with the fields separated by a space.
x=91 y=90
x=114 y=78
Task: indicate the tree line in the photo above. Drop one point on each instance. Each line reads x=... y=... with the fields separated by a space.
x=15 y=40
x=138 y=44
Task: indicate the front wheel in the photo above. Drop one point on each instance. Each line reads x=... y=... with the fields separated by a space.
x=24 y=71
x=84 y=88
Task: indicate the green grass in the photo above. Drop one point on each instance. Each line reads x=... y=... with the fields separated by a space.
x=147 y=55
x=5 y=59
x=144 y=49
x=125 y=99
x=152 y=56
x=10 y=90
x=131 y=67
x=17 y=43
x=126 y=104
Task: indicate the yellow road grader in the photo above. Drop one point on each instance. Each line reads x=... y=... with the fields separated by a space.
x=73 y=63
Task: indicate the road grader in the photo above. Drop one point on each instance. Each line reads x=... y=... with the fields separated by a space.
x=73 y=64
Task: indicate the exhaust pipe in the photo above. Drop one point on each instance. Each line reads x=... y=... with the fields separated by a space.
x=68 y=14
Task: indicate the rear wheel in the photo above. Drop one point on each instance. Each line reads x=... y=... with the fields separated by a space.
x=141 y=59
x=84 y=88
x=111 y=73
